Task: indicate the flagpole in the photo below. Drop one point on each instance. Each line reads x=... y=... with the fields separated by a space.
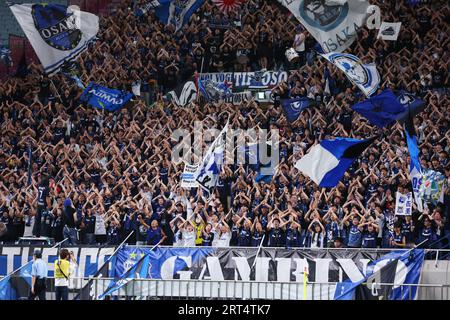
x=56 y=90
x=111 y=287
x=259 y=249
x=59 y=243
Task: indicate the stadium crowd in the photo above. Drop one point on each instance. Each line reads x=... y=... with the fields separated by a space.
x=97 y=176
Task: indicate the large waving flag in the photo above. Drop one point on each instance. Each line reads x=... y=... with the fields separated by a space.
x=138 y=270
x=415 y=169
x=405 y=265
x=16 y=285
x=365 y=76
x=177 y=12
x=334 y=24
x=58 y=33
x=412 y=106
x=327 y=162
x=207 y=174
x=382 y=109
x=101 y=97
x=184 y=93
x=294 y=107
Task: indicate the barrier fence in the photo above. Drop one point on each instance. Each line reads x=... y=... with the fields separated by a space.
x=174 y=289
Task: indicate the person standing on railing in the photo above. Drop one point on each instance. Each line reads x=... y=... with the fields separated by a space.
x=62 y=274
x=39 y=272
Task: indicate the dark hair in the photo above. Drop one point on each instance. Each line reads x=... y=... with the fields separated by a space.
x=64 y=253
x=37 y=253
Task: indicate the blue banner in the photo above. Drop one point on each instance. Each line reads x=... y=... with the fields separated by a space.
x=409 y=267
x=294 y=107
x=177 y=12
x=101 y=97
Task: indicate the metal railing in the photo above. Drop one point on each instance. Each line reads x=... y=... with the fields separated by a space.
x=176 y=289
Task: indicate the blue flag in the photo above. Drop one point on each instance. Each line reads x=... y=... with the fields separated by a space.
x=382 y=109
x=412 y=106
x=16 y=285
x=138 y=270
x=293 y=107
x=177 y=12
x=101 y=97
x=327 y=162
x=402 y=263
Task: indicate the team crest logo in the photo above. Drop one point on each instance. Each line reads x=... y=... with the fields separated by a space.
x=354 y=69
x=406 y=98
x=323 y=14
x=56 y=25
x=298 y=105
x=128 y=264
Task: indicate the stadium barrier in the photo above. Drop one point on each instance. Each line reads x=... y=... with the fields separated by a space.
x=174 y=289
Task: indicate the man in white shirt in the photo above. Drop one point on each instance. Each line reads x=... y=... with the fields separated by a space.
x=299 y=45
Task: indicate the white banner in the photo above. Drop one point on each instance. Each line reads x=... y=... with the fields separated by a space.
x=239 y=97
x=333 y=24
x=389 y=30
x=57 y=33
x=188 y=176
x=403 y=204
x=247 y=79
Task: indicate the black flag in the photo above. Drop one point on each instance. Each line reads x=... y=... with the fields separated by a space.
x=88 y=292
x=379 y=285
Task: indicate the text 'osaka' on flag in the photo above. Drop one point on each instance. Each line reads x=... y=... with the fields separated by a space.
x=58 y=33
x=334 y=24
x=365 y=76
x=327 y=162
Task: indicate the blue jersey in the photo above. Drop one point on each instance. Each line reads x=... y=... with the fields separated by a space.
x=275 y=238
x=293 y=238
x=256 y=239
x=369 y=239
x=154 y=236
x=244 y=238
x=207 y=239
x=42 y=195
x=332 y=231
x=354 y=237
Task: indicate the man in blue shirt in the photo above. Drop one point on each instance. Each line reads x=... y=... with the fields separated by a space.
x=39 y=273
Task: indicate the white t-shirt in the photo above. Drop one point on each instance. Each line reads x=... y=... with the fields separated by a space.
x=189 y=238
x=224 y=240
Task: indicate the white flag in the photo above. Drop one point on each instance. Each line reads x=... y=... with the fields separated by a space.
x=334 y=24
x=403 y=204
x=389 y=30
x=57 y=33
x=208 y=172
x=136 y=88
x=365 y=76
